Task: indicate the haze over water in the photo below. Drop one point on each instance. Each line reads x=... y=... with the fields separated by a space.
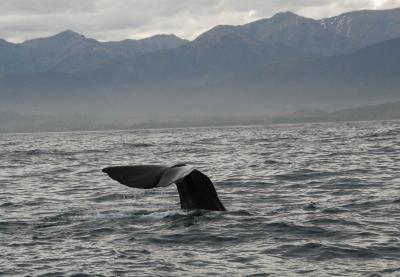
x=302 y=200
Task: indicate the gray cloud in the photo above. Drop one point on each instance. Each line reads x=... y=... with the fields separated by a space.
x=116 y=20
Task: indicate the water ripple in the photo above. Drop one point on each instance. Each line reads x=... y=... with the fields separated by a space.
x=303 y=200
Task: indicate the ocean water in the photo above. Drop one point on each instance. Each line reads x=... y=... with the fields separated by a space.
x=302 y=200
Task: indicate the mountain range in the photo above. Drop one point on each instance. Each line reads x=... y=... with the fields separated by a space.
x=71 y=52
x=268 y=67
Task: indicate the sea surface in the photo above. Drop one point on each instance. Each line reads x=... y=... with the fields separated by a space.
x=302 y=200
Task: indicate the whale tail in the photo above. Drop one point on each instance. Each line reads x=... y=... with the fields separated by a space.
x=196 y=191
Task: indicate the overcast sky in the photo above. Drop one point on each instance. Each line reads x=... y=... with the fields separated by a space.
x=120 y=19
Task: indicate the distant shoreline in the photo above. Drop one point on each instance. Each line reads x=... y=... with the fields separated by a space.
x=199 y=127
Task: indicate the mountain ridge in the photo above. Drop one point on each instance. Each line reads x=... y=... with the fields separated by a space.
x=270 y=66
x=385 y=111
x=69 y=51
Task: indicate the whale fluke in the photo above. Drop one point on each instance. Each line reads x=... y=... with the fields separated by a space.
x=196 y=191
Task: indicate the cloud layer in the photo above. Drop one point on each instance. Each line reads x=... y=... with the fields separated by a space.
x=116 y=20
